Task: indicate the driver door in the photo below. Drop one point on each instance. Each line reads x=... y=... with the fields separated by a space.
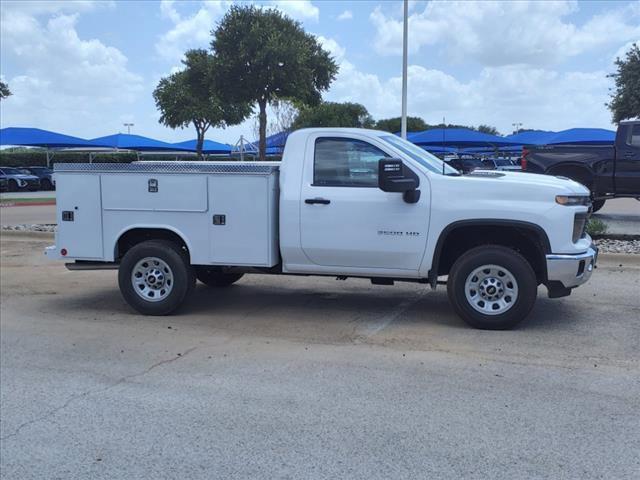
x=347 y=221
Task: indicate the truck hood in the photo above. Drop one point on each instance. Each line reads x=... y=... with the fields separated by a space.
x=531 y=181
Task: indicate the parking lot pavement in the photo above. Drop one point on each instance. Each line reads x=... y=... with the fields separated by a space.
x=36 y=214
x=295 y=377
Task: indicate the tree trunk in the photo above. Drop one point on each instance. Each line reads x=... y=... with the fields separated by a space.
x=263 y=130
x=199 y=142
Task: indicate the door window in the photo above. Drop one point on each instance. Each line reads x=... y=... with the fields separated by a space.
x=346 y=162
x=635 y=135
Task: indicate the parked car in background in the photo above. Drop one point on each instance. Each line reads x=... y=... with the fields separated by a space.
x=500 y=164
x=3 y=183
x=44 y=174
x=469 y=164
x=608 y=171
x=17 y=180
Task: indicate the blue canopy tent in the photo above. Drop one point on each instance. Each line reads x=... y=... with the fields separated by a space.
x=123 y=141
x=209 y=147
x=457 y=137
x=36 y=137
x=533 y=137
x=583 y=136
x=275 y=143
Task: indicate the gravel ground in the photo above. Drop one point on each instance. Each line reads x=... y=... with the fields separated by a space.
x=605 y=245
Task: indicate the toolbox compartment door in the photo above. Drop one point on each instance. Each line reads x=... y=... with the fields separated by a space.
x=79 y=215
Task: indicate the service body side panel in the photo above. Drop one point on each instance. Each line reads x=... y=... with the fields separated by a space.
x=245 y=230
x=81 y=235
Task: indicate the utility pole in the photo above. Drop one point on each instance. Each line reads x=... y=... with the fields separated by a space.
x=405 y=40
x=517 y=126
x=128 y=125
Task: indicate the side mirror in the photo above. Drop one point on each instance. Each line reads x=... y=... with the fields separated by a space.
x=393 y=176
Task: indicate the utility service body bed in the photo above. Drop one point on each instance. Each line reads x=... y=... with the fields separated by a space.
x=226 y=212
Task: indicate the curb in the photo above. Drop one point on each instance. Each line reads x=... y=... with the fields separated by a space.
x=25 y=204
x=27 y=234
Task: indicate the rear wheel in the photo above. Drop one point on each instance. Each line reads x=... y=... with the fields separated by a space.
x=215 y=277
x=46 y=184
x=492 y=287
x=155 y=277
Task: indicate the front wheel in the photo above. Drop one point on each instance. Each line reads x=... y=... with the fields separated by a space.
x=492 y=287
x=155 y=277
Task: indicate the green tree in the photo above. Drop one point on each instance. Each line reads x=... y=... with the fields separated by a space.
x=332 y=114
x=192 y=96
x=625 y=99
x=264 y=56
x=488 y=129
x=4 y=90
x=393 y=125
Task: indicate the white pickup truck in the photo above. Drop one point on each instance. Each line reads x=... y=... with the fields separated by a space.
x=344 y=203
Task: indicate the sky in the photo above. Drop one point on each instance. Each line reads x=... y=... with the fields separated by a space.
x=85 y=68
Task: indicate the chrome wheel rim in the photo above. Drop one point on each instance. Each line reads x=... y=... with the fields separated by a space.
x=491 y=289
x=152 y=279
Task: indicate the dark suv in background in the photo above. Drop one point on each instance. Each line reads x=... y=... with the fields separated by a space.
x=44 y=174
x=18 y=180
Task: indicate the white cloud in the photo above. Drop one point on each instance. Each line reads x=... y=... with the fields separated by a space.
x=538 y=97
x=298 y=9
x=331 y=46
x=64 y=81
x=193 y=31
x=504 y=33
x=346 y=15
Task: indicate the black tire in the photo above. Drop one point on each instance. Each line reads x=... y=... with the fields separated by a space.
x=515 y=265
x=597 y=205
x=183 y=276
x=12 y=186
x=214 y=277
x=46 y=184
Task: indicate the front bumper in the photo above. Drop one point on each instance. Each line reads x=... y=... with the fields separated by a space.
x=572 y=270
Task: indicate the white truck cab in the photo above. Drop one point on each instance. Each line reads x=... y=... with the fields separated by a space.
x=343 y=202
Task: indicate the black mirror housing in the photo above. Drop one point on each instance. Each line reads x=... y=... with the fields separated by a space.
x=393 y=176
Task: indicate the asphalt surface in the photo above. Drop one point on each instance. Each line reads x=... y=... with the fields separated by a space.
x=286 y=377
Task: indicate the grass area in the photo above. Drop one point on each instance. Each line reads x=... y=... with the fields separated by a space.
x=595 y=226
x=27 y=200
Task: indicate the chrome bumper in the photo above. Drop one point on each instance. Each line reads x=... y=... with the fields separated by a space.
x=572 y=270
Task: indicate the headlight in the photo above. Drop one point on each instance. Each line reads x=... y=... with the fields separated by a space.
x=579 y=226
x=573 y=200
x=21 y=182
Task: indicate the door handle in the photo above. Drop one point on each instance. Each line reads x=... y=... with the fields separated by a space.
x=629 y=155
x=321 y=201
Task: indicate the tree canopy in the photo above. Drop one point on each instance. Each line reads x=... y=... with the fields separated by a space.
x=393 y=125
x=332 y=114
x=625 y=99
x=192 y=96
x=4 y=90
x=488 y=129
x=263 y=55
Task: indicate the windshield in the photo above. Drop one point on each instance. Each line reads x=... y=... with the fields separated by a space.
x=11 y=171
x=421 y=156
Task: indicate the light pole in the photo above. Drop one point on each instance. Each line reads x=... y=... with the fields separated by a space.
x=405 y=35
x=128 y=125
x=517 y=126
